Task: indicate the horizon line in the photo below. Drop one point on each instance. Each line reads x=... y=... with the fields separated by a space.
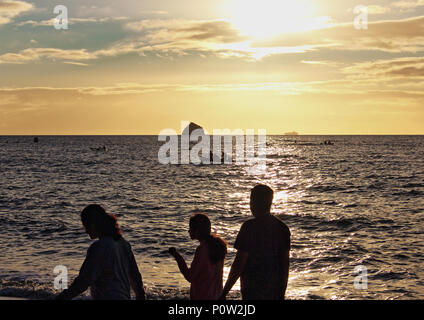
x=285 y=135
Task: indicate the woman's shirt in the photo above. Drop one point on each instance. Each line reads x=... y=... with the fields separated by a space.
x=205 y=277
x=110 y=270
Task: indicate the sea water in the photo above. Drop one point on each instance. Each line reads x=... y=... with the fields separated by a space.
x=358 y=202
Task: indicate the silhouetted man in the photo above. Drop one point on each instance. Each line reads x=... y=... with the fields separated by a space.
x=263 y=246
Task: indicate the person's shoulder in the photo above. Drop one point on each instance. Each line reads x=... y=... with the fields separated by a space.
x=124 y=244
x=203 y=246
x=102 y=243
x=249 y=222
x=122 y=240
x=201 y=249
x=281 y=224
x=95 y=246
x=246 y=225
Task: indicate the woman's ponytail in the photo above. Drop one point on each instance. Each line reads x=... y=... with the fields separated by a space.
x=217 y=248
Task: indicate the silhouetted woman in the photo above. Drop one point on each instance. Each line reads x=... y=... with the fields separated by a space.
x=109 y=268
x=206 y=270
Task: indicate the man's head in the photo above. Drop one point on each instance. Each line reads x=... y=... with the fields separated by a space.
x=261 y=200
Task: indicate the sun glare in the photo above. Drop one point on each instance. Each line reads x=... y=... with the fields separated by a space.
x=268 y=18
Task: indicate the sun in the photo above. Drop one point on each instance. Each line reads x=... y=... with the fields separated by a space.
x=268 y=18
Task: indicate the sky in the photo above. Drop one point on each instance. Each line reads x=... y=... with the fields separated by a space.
x=139 y=67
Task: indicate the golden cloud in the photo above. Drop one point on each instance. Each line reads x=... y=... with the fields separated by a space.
x=405 y=35
x=11 y=8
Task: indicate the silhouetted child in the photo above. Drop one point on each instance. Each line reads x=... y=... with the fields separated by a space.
x=206 y=270
x=109 y=268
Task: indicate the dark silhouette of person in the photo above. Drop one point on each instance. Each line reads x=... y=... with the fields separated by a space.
x=206 y=270
x=109 y=268
x=263 y=246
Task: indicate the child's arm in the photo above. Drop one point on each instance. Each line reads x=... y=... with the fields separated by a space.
x=182 y=265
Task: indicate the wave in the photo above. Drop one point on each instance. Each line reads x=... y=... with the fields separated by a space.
x=33 y=290
x=408 y=193
x=413 y=185
x=54 y=229
x=347 y=224
x=327 y=188
x=26 y=289
x=389 y=275
x=320 y=202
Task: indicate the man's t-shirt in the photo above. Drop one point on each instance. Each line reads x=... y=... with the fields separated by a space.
x=265 y=239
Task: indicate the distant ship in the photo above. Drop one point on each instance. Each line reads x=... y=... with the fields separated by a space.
x=293 y=133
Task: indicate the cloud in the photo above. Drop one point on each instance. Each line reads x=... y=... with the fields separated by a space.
x=204 y=37
x=217 y=31
x=220 y=38
x=338 y=87
x=159 y=36
x=397 y=36
x=181 y=36
x=76 y=63
x=60 y=104
x=34 y=54
x=376 y=9
x=37 y=54
x=322 y=63
x=9 y=9
x=50 y=22
x=154 y=12
x=63 y=104
x=281 y=88
x=408 y=5
x=388 y=69
x=118 y=89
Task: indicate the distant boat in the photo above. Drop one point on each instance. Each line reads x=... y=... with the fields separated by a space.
x=99 y=149
x=36 y=140
x=293 y=133
x=328 y=143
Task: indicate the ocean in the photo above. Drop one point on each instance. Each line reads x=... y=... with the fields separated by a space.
x=358 y=202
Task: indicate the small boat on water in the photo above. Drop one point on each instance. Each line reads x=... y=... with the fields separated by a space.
x=99 y=149
x=327 y=143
